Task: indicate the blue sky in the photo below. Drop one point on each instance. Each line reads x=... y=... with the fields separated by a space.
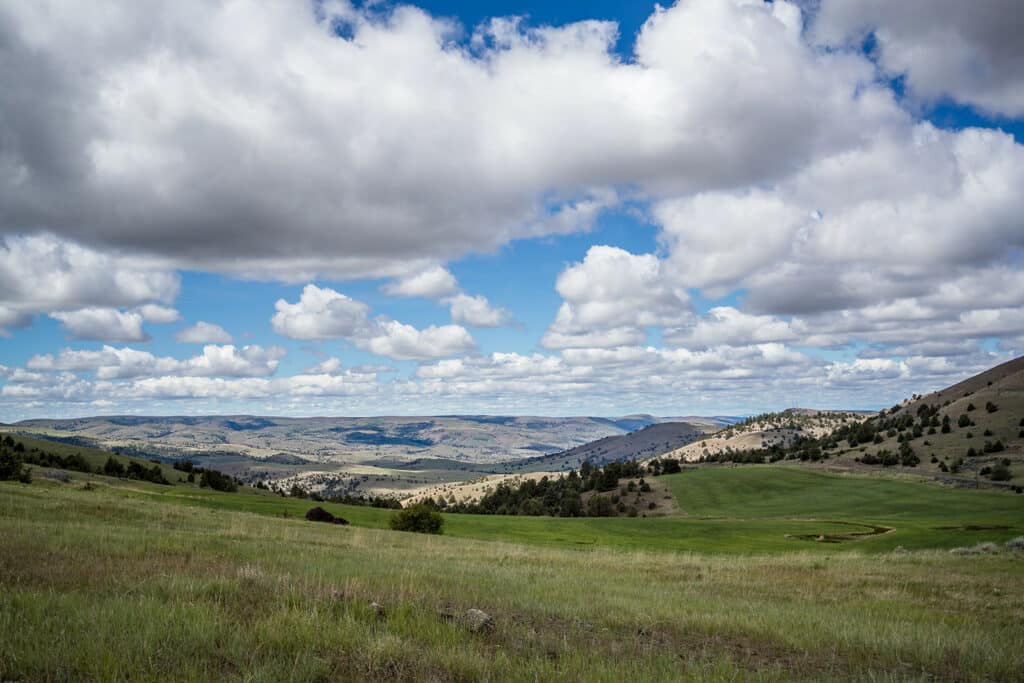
x=715 y=207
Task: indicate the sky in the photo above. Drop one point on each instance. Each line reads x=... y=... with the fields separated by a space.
x=317 y=207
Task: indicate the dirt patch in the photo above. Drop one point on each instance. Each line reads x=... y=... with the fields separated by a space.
x=871 y=530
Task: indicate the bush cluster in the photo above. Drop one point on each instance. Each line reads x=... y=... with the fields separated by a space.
x=418 y=518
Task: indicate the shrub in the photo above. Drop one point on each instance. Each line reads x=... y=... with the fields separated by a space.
x=599 y=506
x=1001 y=473
x=11 y=466
x=963 y=421
x=318 y=514
x=670 y=466
x=418 y=518
x=113 y=468
x=217 y=481
x=991 y=407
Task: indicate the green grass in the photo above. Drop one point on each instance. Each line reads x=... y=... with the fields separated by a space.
x=781 y=491
x=94 y=456
x=742 y=510
x=118 y=583
x=922 y=514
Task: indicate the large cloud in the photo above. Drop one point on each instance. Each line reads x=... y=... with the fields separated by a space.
x=969 y=51
x=42 y=274
x=397 y=144
x=915 y=236
x=788 y=185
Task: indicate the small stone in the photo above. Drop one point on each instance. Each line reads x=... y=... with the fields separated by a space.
x=479 y=621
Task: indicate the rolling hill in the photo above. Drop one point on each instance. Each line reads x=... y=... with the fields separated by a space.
x=643 y=444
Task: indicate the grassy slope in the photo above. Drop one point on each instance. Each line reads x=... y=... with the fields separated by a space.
x=665 y=533
x=1002 y=385
x=741 y=510
x=94 y=456
x=99 y=587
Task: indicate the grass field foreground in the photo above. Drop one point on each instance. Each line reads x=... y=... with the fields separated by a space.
x=99 y=586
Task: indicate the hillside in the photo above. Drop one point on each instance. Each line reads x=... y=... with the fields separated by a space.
x=646 y=443
x=643 y=444
x=763 y=431
x=965 y=431
x=970 y=433
x=95 y=459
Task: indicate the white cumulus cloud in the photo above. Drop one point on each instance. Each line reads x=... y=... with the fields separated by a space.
x=204 y=333
x=611 y=296
x=323 y=313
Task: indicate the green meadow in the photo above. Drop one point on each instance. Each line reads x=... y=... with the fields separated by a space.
x=761 y=577
x=740 y=510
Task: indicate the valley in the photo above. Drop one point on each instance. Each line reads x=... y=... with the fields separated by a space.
x=392 y=456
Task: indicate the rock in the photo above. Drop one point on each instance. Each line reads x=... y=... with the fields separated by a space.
x=479 y=621
x=318 y=514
